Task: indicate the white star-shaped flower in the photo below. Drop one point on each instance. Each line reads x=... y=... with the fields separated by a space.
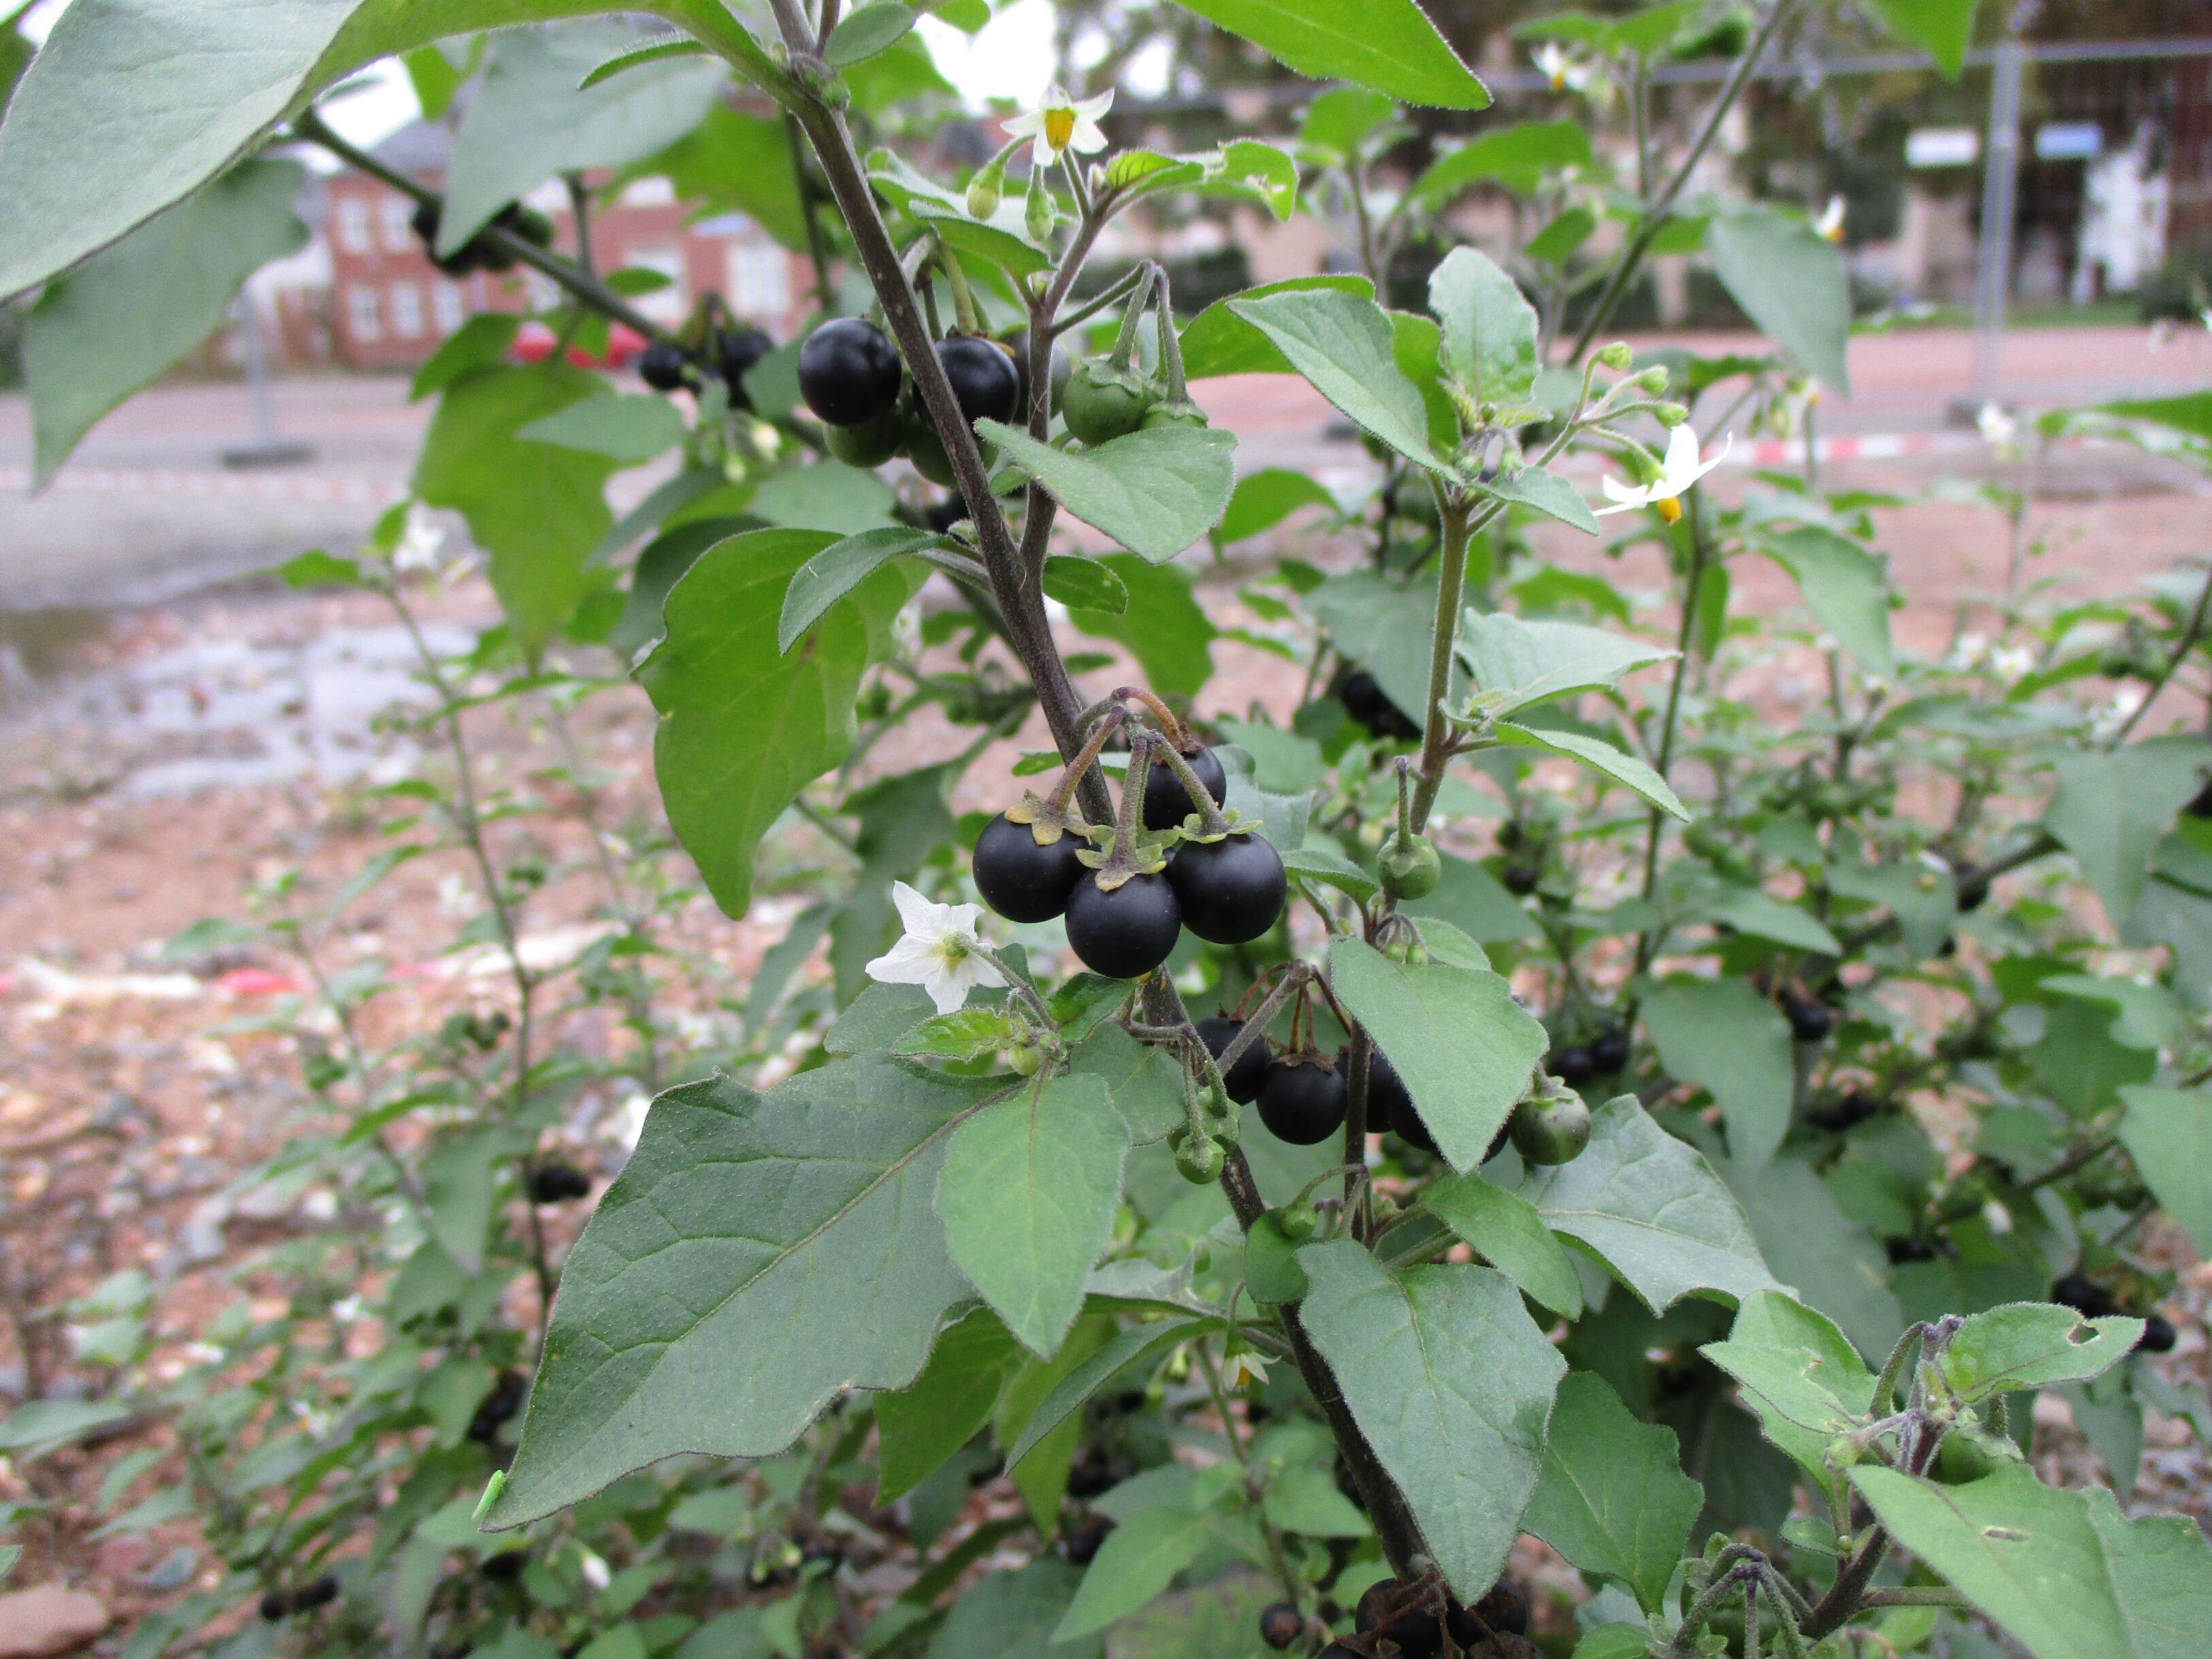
x=1999 y=429
x=1678 y=473
x=1830 y=224
x=2011 y=662
x=1565 y=73
x=420 y=542
x=1060 y=123
x=1242 y=1368
x=937 y=952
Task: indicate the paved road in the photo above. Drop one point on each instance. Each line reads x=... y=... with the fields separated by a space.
x=145 y=510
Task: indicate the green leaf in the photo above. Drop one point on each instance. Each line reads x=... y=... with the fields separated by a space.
x=1451 y=1382
x=1156 y=491
x=1652 y=1210
x=835 y=571
x=965 y=1034
x=1127 y=1348
x=37 y=1426
x=743 y=728
x=1318 y=864
x=1464 y=1048
x=757 y=1255
x=736 y=161
x=1520 y=157
x=2033 y=1345
x=1791 y=282
x=1342 y=344
x=1218 y=342
x=1369 y=618
x=1264 y=499
x=1522 y=664
x=1723 y=1035
x=1028 y=1195
x=631 y=428
x=1506 y=1231
x=1139 y=1559
x=1145 y=1082
x=865 y=32
x=1612 y=1497
x=2169 y=1133
x=2189 y=413
x=921 y=1425
x=1490 y=327
x=1944 y=27
x=826 y=495
x=1617 y=764
x=482 y=342
x=1272 y=1273
x=1846 y=587
x=1084 y=583
x=2109 y=811
x=1011 y=1615
x=534 y=118
x=1806 y=1240
x=2065 y=1573
x=1339 y=121
x=1002 y=239
x=537 y=510
x=1798 y=1372
x=1387 y=44
x=1164 y=628
x=132 y=311
x=1303 y=1499
x=1543 y=492
x=1750 y=911
x=655 y=49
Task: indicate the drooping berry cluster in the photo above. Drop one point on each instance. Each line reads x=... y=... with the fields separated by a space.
x=851 y=376
x=1174 y=859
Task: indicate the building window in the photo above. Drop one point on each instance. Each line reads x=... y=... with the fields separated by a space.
x=352 y=225
x=760 y=279
x=448 y=307
x=364 y=320
x=398 y=213
x=665 y=306
x=407 y=311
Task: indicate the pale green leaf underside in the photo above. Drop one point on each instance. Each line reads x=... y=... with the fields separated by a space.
x=1388 y=44
x=757 y=1255
x=1451 y=1382
x=1652 y=1210
x=1524 y=663
x=1156 y=492
x=1618 y=764
x=1341 y=342
x=2169 y=1133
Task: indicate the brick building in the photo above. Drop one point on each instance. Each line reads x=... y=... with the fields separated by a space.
x=389 y=306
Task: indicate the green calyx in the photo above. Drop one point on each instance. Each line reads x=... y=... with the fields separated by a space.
x=1179 y=411
x=1200 y=1160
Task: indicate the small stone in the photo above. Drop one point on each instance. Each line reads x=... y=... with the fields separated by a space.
x=49 y=1620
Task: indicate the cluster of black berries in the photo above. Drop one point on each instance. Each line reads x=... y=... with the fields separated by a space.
x=480 y=252
x=1367 y=703
x=852 y=378
x=2093 y=1301
x=1125 y=908
x=733 y=351
x=507 y=1393
x=556 y=1180
x=318 y=1592
x=1846 y=1111
x=1602 y=1055
x=1810 y=1020
x=1413 y=1618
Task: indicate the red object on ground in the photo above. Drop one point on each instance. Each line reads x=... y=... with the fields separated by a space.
x=259 y=982
x=534 y=342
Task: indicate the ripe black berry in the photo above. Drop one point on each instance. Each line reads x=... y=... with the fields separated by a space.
x=662 y=365
x=1973 y=893
x=1097 y=1472
x=1167 y=803
x=2085 y=1296
x=1021 y=880
x=1847 y=1111
x=1081 y=1546
x=737 y=352
x=1504 y=1606
x=2158 y=1335
x=505 y=1567
x=1610 y=1052
x=983 y=378
x=1341 y=1650
x=943 y=515
x=1809 y=1021
x=1521 y=879
x=1388 y=1100
x=556 y=1181
x=1217 y=1032
x=316 y=1593
x=2200 y=808
x=1302 y=1101
x=1127 y=933
x=1231 y=890
x=1902 y=1250
x=1365 y=701
x=848 y=372
x=1280 y=1626
x=1574 y=1066
x=1394 y=1611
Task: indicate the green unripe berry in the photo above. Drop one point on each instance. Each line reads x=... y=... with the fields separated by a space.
x=1103 y=402
x=1410 y=868
x=1200 y=1160
x=986 y=191
x=1551 y=1128
x=869 y=444
x=1182 y=412
x=1297 y=1221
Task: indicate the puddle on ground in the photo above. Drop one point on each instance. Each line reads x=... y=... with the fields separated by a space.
x=213 y=713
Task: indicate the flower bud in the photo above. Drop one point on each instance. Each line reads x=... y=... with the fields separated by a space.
x=1617 y=357
x=1041 y=215
x=1670 y=416
x=986 y=191
x=1653 y=379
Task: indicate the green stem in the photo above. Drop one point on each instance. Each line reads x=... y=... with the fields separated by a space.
x=1648 y=942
